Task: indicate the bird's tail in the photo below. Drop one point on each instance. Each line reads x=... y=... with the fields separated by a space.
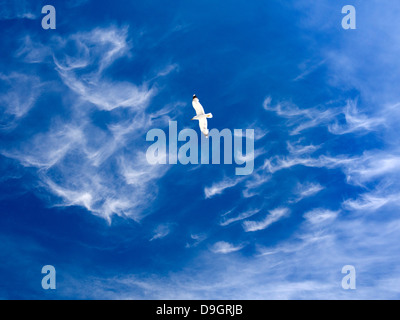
x=209 y=115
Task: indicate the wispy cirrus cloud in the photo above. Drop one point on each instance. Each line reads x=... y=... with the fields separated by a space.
x=83 y=72
x=195 y=240
x=356 y=122
x=273 y=216
x=301 y=119
x=297 y=149
x=254 y=182
x=31 y=50
x=218 y=188
x=305 y=190
x=373 y=200
x=225 y=247
x=227 y=220
x=45 y=150
x=161 y=231
x=20 y=93
x=358 y=169
x=319 y=216
x=78 y=161
x=277 y=163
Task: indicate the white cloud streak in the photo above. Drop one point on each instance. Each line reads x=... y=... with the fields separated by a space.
x=243 y=215
x=306 y=190
x=273 y=216
x=356 y=122
x=225 y=247
x=219 y=187
x=319 y=216
x=161 y=231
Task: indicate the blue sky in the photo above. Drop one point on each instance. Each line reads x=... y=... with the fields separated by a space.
x=77 y=192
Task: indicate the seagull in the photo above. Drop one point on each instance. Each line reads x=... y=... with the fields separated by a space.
x=200 y=115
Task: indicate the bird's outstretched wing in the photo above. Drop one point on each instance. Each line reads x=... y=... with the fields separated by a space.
x=203 y=126
x=197 y=106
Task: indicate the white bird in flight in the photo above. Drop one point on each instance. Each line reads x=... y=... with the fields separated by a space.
x=200 y=115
